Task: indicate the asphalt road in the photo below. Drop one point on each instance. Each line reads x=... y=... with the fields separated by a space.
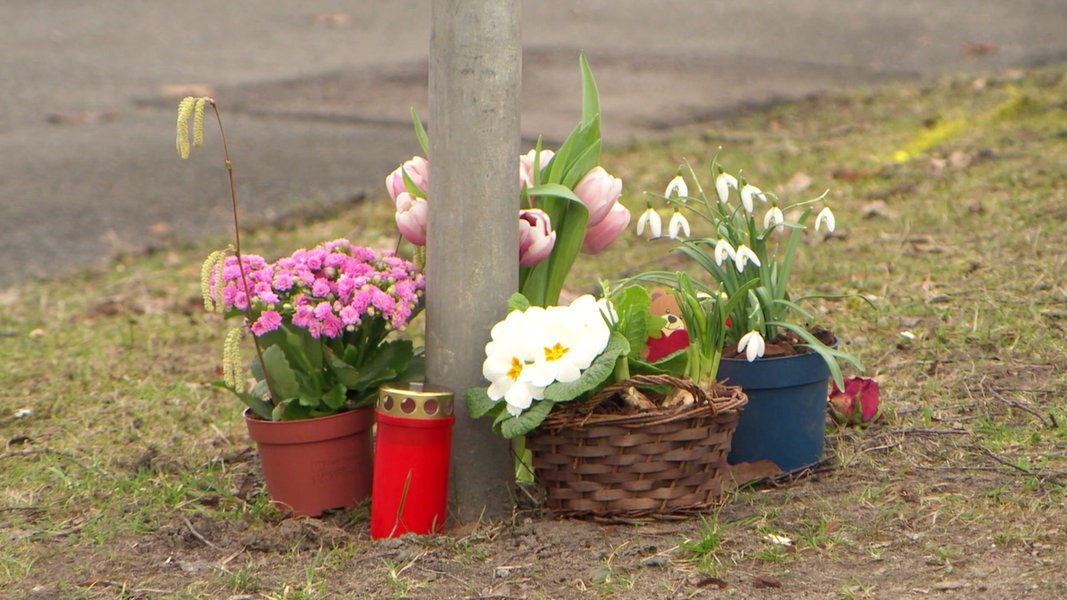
x=317 y=94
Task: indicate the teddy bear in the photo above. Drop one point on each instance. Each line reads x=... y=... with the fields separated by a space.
x=673 y=336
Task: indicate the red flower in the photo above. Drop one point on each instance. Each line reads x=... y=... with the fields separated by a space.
x=857 y=405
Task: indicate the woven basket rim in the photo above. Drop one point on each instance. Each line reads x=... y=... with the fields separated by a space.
x=720 y=399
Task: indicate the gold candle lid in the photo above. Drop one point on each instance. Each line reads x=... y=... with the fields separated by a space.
x=416 y=401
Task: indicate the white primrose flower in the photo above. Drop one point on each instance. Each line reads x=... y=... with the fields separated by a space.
x=508 y=358
x=752 y=345
x=744 y=254
x=774 y=218
x=651 y=218
x=571 y=337
x=679 y=224
x=677 y=185
x=535 y=348
x=825 y=216
x=748 y=192
x=723 y=183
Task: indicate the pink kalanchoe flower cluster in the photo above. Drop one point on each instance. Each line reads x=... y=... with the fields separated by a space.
x=326 y=290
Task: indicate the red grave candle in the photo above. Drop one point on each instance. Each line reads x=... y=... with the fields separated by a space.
x=411 y=457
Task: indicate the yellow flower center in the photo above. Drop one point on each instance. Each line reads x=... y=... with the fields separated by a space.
x=556 y=352
x=516 y=369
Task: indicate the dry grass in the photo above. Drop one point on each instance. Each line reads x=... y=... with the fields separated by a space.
x=133 y=478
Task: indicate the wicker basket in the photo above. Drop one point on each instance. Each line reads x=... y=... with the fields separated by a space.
x=596 y=460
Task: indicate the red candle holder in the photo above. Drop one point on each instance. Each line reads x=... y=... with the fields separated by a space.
x=412 y=450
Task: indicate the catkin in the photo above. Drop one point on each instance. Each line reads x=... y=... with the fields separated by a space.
x=231 y=358
x=211 y=291
x=198 y=123
x=185 y=110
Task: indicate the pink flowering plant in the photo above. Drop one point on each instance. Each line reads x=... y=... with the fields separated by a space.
x=322 y=320
x=568 y=203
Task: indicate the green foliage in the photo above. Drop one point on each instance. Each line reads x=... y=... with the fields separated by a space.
x=553 y=185
x=316 y=377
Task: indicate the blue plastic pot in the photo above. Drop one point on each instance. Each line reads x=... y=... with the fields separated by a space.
x=784 y=420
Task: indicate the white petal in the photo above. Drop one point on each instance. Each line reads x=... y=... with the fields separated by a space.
x=752 y=345
x=748 y=192
x=652 y=219
x=678 y=223
x=825 y=216
x=773 y=218
x=723 y=183
x=724 y=250
x=677 y=185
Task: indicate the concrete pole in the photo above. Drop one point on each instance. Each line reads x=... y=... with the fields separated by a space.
x=472 y=245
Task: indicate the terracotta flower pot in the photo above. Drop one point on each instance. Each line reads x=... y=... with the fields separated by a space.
x=314 y=465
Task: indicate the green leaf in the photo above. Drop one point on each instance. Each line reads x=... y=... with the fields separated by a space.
x=590 y=96
x=260 y=407
x=518 y=302
x=282 y=376
x=388 y=360
x=335 y=398
x=602 y=368
x=553 y=190
x=479 y=404
x=420 y=132
x=527 y=421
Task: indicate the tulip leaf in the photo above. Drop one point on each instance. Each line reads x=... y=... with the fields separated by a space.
x=420 y=132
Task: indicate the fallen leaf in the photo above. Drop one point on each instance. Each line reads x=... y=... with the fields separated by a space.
x=715 y=581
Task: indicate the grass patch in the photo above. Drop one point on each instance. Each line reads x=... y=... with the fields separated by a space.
x=124 y=474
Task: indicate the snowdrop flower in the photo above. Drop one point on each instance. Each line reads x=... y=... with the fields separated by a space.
x=744 y=254
x=723 y=183
x=679 y=224
x=748 y=192
x=724 y=250
x=827 y=217
x=677 y=185
x=655 y=224
x=774 y=218
x=752 y=345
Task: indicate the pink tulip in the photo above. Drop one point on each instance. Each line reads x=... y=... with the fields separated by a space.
x=536 y=237
x=526 y=166
x=411 y=216
x=857 y=405
x=605 y=232
x=418 y=170
x=599 y=191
